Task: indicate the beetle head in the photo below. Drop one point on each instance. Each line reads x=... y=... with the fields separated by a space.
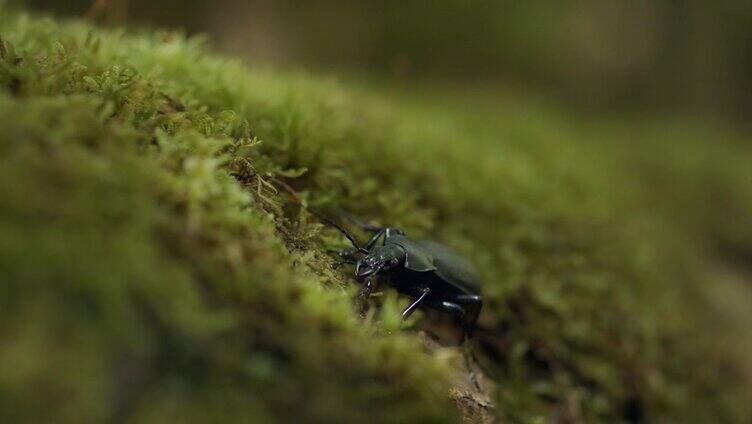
x=383 y=258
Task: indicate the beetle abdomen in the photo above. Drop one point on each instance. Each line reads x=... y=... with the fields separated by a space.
x=427 y=256
x=453 y=267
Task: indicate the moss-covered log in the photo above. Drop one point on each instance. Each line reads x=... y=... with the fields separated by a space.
x=157 y=262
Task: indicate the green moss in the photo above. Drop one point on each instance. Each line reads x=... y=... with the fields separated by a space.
x=154 y=269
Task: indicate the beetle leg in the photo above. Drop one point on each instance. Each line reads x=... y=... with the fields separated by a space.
x=466 y=308
x=366 y=291
x=340 y=263
x=472 y=304
x=348 y=255
x=454 y=309
x=461 y=314
x=410 y=309
x=385 y=232
x=372 y=242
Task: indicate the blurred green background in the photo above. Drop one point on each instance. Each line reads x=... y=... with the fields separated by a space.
x=651 y=79
x=615 y=55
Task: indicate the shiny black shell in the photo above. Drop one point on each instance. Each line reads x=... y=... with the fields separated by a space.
x=429 y=257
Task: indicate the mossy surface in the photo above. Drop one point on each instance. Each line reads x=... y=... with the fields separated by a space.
x=156 y=265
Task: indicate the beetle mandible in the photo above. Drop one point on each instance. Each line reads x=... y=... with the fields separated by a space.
x=434 y=275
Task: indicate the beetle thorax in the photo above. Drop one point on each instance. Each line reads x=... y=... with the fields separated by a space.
x=380 y=259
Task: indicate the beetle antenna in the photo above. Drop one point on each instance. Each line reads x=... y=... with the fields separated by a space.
x=341 y=230
x=364 y=226
x=320 y=216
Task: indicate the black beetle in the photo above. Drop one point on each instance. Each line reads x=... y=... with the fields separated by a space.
x=434 y=275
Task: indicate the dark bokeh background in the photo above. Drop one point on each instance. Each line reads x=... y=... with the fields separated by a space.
x=688 y=56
